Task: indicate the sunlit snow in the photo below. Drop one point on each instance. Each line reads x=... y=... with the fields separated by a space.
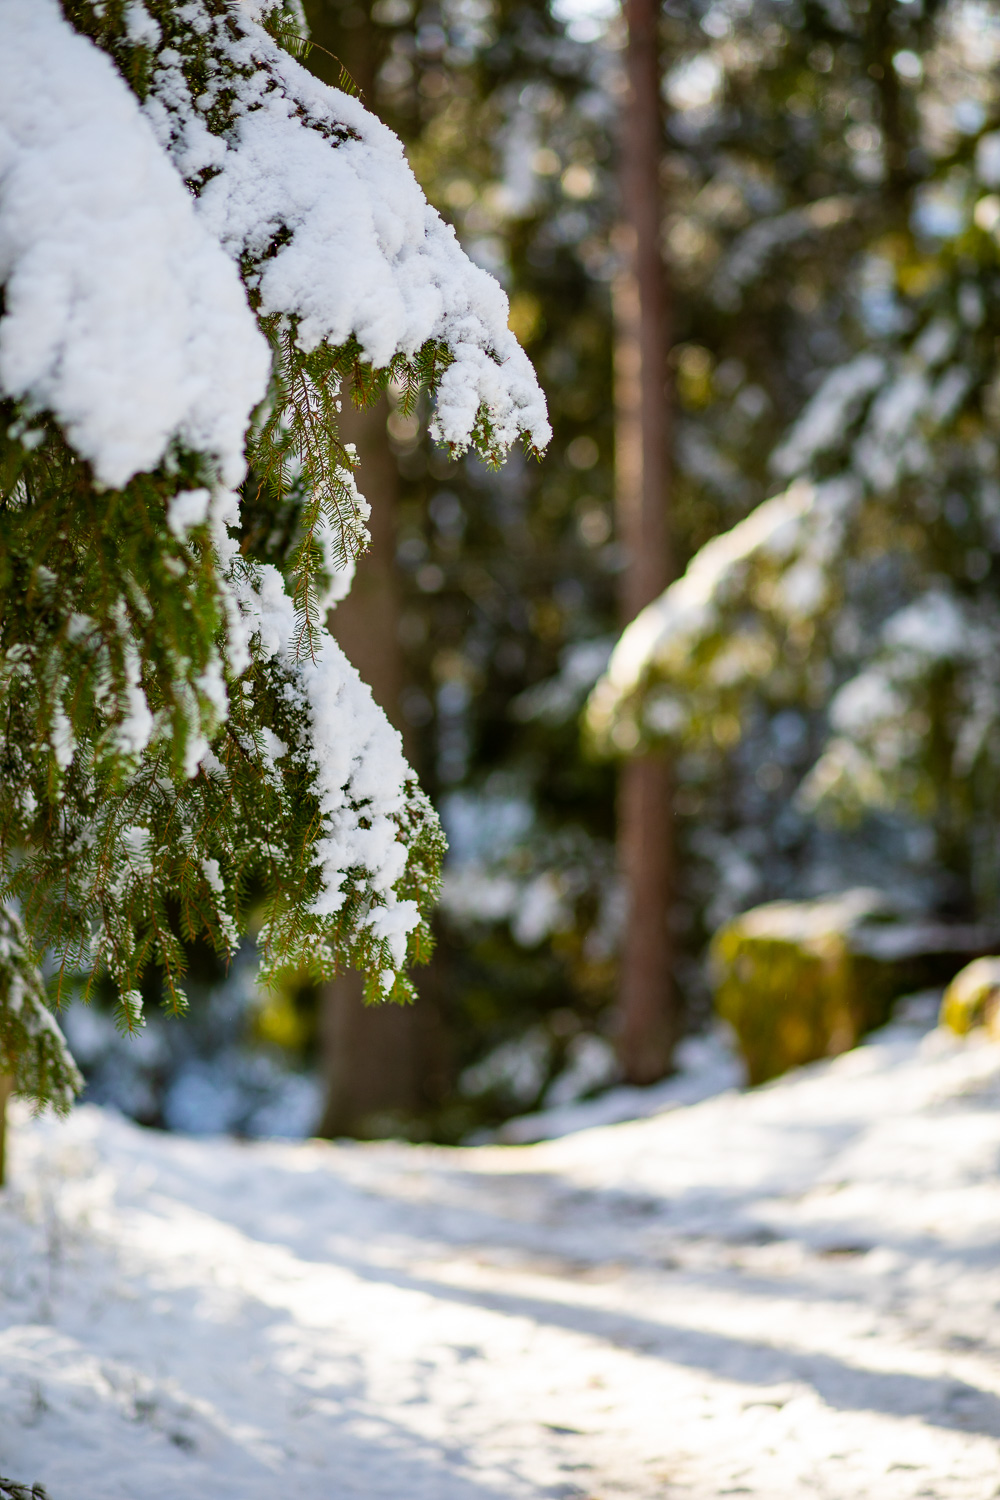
x=787 y=1293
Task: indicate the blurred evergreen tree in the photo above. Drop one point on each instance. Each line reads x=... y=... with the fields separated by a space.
x=794 y=154
x=840 y=644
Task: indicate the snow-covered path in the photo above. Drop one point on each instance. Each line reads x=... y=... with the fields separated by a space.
x=788 y=1293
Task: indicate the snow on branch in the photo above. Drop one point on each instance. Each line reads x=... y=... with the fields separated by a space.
x=360 y=775
x=936 y=653
x=710 y=632
x=122 y=315
x=722 y=629
x=32 y=1048
x=314 y=195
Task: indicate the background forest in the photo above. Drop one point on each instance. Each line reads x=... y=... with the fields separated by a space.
x=825 y=678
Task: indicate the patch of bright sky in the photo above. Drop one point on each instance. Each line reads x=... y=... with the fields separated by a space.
x=585 y=20
x=695 y=83
x=940 y=209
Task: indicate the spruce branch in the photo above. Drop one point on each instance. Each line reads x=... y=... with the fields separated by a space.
x=10 y=1489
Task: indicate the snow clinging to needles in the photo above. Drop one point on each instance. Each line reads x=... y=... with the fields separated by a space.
x=123 y=317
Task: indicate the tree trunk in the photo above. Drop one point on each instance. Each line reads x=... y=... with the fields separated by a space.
x=880 y=45
x=376 y=1059
x=369 y=1053
x=647 y=1010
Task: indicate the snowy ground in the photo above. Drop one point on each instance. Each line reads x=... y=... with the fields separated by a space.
x=792 y=1292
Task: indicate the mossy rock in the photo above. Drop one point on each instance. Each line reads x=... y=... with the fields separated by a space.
x=801 y=980
x=790 y=982
x=973 y=998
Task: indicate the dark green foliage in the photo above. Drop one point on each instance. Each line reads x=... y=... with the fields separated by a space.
x=120 y=602
x=32 y=1051
x=303 y=473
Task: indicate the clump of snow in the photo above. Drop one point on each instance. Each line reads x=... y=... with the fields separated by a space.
x=124 y=311
x=755 y=247
x=782 y=1292
x=865 y=702
x=122 y=315
x=804 y=921
x=799 y=529
x=823 y=421
x=361 y=775
x=186 y=510
x=33 y=1049
x=934 y=626
x=542 y=909
x=317 y=193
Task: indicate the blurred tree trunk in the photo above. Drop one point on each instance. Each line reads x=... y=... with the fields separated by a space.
x=647 y=1008
x=369 y=1053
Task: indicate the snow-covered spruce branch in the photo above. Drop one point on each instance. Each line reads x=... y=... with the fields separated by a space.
x=11 y=1490
x=33 y=1050
x=199 y=243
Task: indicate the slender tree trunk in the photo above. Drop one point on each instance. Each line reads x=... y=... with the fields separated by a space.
x=370 y=1053
x=880 y=45
x=380 y=1061
x=647 y=1011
